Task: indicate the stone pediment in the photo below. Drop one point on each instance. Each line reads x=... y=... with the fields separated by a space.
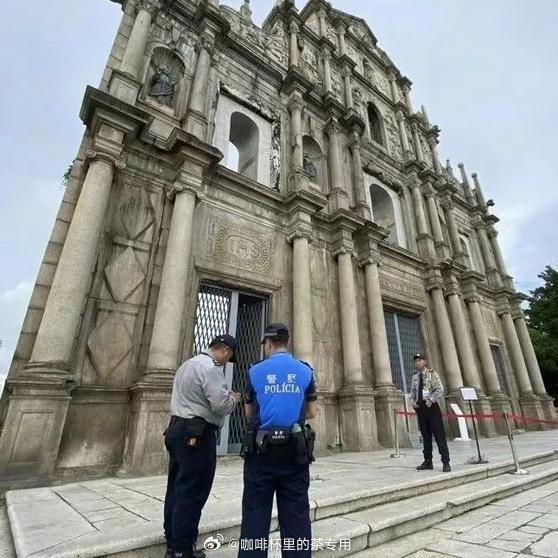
x=269 y=44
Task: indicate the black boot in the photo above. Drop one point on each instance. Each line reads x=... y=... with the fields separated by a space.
x=169 y=553
x=184 y=553
x=425 y=466
x=198 y=553
x=446 y=468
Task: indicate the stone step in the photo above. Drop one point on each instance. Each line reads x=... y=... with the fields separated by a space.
x=358 y=533
x=334 y=509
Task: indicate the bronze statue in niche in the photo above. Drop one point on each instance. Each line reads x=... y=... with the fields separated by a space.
x=162 y=86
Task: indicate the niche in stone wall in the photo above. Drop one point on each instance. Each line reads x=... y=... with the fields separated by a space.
x=165 y=82
x=314 y=163
x=375 y=124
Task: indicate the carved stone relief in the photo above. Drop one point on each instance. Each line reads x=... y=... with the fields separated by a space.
x=400 y=288
x=238 y=246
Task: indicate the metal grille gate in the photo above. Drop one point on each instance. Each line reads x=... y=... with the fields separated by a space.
x=404 y=341
x=221 y=310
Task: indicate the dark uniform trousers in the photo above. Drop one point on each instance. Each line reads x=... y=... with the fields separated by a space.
x=290 y=482
x=191 y=473
x=431 y=425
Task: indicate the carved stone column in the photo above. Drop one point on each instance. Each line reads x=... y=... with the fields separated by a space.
x=424 y=239
x=466 y=185
x=452 y=370
x=435 y=159
x=151 y=393
x=393 y=86
x=407 y=152
x=498 y=401
x=532 y=364
x=302 y=294
x=328 y=86
x=293 y=44
x=466 y=355
x=478 y=192
x=166 y=337
x=40 y=393
x=342 y=42
x=490 y=265
x=338 y=196
x=435 y=221
x=347 y=74
x=55 y=339
x=385 y=394
x=416 y=142
x=358 y=425
x=501 y=263
x=322 y=18
x=196 y=119
x=295 y=106
x=360 y=198
x=529 y=402
x=125 y=82
x=448 y=207
x=406 y=88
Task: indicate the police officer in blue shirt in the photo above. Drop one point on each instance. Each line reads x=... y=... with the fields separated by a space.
x=280 y=396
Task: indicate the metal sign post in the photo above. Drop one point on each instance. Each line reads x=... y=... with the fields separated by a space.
x=469 y=395
x=518 y=469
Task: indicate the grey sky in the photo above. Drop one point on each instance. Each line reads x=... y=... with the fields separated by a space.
x=483 y=68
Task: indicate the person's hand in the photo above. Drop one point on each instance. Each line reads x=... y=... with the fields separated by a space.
x=415 y=406
x=236 y=396
x=428 y=403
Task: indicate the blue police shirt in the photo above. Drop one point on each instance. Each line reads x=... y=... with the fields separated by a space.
x=278 y=388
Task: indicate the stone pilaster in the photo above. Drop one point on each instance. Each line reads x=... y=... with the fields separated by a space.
x=449 y=212
x=347 y=74
x=341 y=32
x=529 y=402
x=295 y=106
x=151 y=394
x=406 y=88
x=294 y=29
x=492 y=272
x=466 y=185
x=125 y=82
x=466 y=354
x=432 y=142
x=452 y=370
x=532 y=364
x=407 y=151
x=425 y=241
x=442 y=249
x=358 y=425
x=361 y=204
x=416 y=142
x=338 y=196
x=393 y=86
x=500 y=262
x=196 y=120
x=40 y=393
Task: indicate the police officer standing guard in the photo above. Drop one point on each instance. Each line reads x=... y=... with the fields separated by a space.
x=280 y=396
x=199 y=404
x=426 y=391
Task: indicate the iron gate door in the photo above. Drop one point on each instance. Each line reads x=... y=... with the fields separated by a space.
x=242 y=315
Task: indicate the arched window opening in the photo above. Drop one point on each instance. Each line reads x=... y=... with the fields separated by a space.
x=383 y=211
x=313 y=162
x=232 y=157
x=244 y=135
x=375 y=124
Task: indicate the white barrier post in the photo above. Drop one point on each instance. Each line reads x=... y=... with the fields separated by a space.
x=518 y=469
x=462 y=423
x=396 y=453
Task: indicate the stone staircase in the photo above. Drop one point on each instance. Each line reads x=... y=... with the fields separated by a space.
x=372 y=519
x=351 y=516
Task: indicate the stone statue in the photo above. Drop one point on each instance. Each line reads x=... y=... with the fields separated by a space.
x=309 y=166
x=162 y=86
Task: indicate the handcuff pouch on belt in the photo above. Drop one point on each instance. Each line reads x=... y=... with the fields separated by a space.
x=194 y=430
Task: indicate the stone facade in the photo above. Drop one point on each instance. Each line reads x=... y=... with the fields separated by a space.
x=336 y=212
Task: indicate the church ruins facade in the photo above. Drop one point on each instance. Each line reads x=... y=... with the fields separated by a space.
x=232 y=175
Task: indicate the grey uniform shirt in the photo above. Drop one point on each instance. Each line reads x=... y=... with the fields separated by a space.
x=199 y=390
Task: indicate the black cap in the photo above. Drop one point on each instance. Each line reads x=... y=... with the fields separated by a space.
x=229 y=341
x=419 y=356
x=277 y=332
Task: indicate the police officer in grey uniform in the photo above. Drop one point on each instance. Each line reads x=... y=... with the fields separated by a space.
x=199 y=404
